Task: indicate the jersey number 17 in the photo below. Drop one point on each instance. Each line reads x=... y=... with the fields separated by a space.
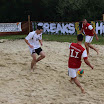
x=76 y=55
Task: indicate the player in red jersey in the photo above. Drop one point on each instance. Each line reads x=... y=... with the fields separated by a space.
x=74 y=63
x=89 y=32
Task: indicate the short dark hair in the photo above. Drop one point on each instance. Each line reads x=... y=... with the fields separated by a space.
x=84 y=20
x=80 y=37
x=40 y=27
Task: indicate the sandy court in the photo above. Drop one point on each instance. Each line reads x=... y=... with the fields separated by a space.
x=49 y=84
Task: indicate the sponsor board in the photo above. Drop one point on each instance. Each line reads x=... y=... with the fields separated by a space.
x=67 y=28
x=10 y=27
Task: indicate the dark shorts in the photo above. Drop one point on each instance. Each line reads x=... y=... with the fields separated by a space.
x=37 y=51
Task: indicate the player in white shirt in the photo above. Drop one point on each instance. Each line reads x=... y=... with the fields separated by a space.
x=34 y=40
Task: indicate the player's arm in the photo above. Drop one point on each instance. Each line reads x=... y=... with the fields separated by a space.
x=28 y=43
x=30 y=36
x=84 y=55
x=41 y=42
x=95 y=35
x=88 y=63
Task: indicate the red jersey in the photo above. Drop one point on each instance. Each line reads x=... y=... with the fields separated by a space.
x=76 y=52
x=88 y=29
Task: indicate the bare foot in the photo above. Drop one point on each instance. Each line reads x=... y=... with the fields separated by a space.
x=97 y=52
x=83 y=91
x=31 y=70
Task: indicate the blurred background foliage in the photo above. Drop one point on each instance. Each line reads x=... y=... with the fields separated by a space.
x=51 y=10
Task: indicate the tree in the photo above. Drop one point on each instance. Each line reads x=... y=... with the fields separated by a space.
x=51 y=10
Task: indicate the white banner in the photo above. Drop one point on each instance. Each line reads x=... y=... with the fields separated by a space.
x=10 y=27
x=68 y=28
x=63 y=28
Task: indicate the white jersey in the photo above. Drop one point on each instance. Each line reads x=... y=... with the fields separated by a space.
x=33 y=39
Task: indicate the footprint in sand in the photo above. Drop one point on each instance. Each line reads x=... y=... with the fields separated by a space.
x=2 y=65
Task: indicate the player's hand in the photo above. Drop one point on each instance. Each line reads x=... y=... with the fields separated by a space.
x=31 y=46
x=92 y=67
x=41 y=44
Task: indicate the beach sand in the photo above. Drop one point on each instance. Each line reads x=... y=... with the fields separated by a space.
x=49 y=83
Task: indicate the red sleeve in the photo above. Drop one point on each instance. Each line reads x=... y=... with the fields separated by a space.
x=88 y=24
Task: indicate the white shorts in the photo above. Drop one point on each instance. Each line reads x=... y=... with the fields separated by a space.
x=31 y=50
x=88 y=39
x=72 y=72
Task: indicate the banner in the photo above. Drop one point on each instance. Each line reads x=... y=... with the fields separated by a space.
x=67 y=28
x=56 y=28
x=21 y=28
x=10 y=27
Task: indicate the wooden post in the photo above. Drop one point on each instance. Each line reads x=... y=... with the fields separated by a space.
x=103 y=17
x=29 y=22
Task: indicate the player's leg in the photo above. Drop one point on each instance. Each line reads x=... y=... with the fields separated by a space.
x=33 y=62
x=71 y=80
x=92 y=47
x=73 y=75
x=76 y=81
x=42 y=55
x=33 y=55
x=87 y=47
x=87 y=41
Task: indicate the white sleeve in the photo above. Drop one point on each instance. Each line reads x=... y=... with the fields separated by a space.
x=29 y=36
x=90 y=27
x=84 y=54
x=82 y=25
x=69 y=45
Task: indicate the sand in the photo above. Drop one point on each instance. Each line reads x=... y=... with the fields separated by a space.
x=49 y=84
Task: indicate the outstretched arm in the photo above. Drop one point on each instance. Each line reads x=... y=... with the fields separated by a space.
x=88 y=63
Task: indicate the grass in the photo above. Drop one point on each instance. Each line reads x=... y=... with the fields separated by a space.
x=13 y=37
x=70 y=38
x=59 y=38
